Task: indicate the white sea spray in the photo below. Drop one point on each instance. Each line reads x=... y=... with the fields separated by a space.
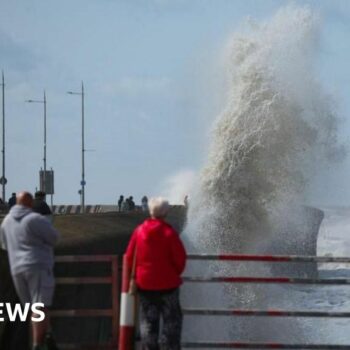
x=276 y=131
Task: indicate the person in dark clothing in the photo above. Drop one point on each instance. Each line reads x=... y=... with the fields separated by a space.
x=40 y=206
x=120 y=203
x=12 y=200
x=131 y=204
x=3 y=206
x=126 y=205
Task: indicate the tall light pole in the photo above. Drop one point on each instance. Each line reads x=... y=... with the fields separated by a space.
x=83 y=182
x=3 y=180
x=44 y=159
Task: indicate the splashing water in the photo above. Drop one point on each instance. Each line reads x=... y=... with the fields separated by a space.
x=277 y=129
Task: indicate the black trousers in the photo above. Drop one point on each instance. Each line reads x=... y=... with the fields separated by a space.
x=157 y=305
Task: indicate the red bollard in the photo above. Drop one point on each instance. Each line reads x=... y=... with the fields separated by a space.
x=127 y=311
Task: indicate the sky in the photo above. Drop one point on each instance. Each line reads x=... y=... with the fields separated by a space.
x=149 y=70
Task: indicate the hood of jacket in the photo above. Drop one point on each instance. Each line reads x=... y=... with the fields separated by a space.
x=18 y=212
x=151 y=228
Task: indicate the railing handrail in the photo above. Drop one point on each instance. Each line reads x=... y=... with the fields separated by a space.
x=84 y=258
x=269 y=258
x=269 y=312
x=282 y=280
x=251 y=345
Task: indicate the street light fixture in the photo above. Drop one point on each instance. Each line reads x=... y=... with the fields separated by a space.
x=83 y=150
x=44 y=159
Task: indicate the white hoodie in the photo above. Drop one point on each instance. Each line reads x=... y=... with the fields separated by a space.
x=29 y=239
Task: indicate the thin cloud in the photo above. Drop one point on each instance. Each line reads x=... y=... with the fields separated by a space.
x=16 y=56
x=134 y=86
x=164 y=4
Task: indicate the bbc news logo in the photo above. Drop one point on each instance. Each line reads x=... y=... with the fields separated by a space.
x=19 y=311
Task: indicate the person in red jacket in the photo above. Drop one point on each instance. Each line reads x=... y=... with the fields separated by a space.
x=160 y=261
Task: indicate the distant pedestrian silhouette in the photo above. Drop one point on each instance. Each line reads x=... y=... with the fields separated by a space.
x=120 y=203
x=144 y=203
x=12 y=200
x=126 y=205
x=131 y=204
x=186 y=202
x=40 y=206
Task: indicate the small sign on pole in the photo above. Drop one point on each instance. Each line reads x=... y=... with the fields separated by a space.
x=48 y=188
x=3 y=180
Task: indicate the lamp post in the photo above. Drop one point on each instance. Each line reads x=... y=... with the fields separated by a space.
x=83 y=182
x=3 y=180
x=44 y=159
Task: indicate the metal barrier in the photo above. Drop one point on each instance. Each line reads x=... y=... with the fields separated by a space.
x=266 y=313
x=112 y=280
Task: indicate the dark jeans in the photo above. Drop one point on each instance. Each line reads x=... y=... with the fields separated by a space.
x=157 y=305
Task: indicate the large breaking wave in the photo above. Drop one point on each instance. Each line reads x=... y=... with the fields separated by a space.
x=276 y=131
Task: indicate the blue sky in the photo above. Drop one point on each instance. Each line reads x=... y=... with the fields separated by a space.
x=149 y=72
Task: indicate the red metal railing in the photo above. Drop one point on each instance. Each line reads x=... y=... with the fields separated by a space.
x=113 y=312
x=269 y=258
x=272 y=313
x=242 y=345
x=283 y=280
x=266 y=313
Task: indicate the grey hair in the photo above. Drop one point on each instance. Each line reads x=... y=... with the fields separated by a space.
x=158 y=207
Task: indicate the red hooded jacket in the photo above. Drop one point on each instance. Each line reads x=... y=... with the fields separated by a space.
x=160 y=255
